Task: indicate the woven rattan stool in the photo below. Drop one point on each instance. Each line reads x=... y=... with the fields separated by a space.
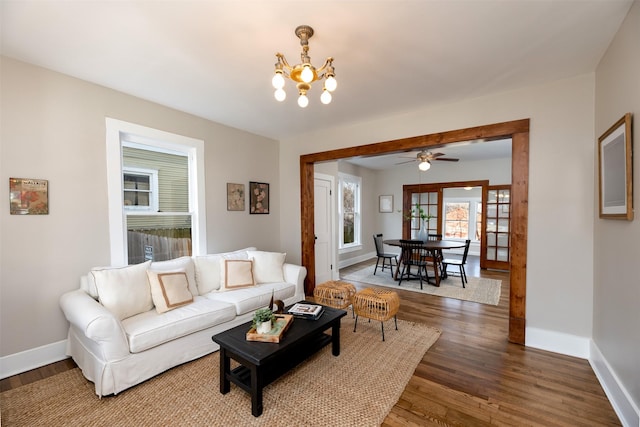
x=336 y=294
x=376 y=304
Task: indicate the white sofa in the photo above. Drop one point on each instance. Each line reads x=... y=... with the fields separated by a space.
x=121 y=335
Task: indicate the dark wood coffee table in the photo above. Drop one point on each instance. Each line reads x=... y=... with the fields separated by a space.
x=262 y=362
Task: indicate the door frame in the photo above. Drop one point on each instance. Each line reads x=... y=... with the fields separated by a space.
x=517 y=130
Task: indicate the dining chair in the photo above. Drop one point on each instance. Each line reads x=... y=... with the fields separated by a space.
x=459 y=262
x=439 y=255
x=413 y=254
x=377 y=239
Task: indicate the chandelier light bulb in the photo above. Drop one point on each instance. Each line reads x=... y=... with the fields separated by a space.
x=280 y=94
x=303 y=101
x=278 y=80
x=307 y=74
x=331 y=84
x=424 y=166
x=325 y=98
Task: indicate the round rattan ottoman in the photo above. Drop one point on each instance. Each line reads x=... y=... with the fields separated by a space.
x=335 y=293
x=376 y=304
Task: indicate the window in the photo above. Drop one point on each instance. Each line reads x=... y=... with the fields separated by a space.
x=140 y=189
x=349 y=211
x=462 y=218
x=156 y=194
x=456 y=220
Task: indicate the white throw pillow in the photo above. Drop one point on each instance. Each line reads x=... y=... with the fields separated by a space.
x=267 y=266
x=208 y=272
x=184 y=263
x=236 y=274
x=169 y=289
x=124 y=291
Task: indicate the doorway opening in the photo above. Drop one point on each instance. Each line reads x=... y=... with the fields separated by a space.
x=517 y=130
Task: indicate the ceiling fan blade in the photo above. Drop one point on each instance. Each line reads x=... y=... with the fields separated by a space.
x=447 y=159
x=408 y=161
x=434 y=155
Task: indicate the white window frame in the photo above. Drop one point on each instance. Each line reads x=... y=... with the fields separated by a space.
x=473 y=212
x=152 y=174
x=118 y=131
x=357 y=218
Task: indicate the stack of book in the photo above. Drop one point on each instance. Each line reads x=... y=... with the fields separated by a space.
x=306 y=311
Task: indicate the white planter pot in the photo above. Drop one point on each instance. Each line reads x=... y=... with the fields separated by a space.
x=264 y=327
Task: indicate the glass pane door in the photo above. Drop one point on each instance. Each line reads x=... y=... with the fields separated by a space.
x=497 y=215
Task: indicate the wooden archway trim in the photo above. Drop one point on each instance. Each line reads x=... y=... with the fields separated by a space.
x=517 y=130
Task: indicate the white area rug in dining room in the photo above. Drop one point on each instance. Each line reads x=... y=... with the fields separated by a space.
x=482 y=290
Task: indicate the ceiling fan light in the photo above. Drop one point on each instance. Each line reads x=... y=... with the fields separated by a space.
x=424 y=166
x=280 y=95
x=325 y=98
x=331 y=84
x=303 y=101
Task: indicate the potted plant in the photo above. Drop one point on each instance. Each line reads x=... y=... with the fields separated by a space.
x=262 y=320
x=418 y=212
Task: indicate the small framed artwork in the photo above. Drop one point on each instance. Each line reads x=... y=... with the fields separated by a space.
x=258 y=198
x=615 y=171
x=28 y=196
x=235 y=197
x=385 y=203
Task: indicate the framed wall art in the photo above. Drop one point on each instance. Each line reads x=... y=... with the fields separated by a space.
x=615 y=171
x=258 y=198
x=385 y=203
x=235 y=197
x=28 y=196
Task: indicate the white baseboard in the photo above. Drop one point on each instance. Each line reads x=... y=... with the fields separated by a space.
x=618 y=395
x=31 y=359
x=355 y=260
x=557 y=342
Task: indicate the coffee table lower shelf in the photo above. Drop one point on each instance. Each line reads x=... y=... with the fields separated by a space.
x=241 y=376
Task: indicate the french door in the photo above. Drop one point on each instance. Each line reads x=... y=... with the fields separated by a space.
x=496 y=222
x=429 y=198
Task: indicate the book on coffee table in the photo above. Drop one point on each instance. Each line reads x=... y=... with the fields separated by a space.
x=306 y=311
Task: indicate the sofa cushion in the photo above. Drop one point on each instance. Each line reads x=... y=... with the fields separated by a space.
x=150 y=329
x=267 y=266
x=184 y=263
x=250 y=299
x=207 y=269
x=124 y=291
x=236 y=274
x=169 y=290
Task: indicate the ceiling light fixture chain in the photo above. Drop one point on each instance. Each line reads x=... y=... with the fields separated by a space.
x=305 y=73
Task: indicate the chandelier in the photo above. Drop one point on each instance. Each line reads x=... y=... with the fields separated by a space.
x=304 y=74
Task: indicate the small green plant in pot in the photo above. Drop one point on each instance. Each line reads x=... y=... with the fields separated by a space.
x=262 y=320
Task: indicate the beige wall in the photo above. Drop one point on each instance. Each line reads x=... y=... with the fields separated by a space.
x=616 y=312
x=559 y=294
x=53 y=127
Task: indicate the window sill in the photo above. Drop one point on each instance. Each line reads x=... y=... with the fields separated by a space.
x=348 y=249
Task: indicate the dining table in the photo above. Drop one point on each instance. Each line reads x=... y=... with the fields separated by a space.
x=433 y=246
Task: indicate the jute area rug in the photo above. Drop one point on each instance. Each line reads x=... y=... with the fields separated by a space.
x=485 y=291
x=357 y=388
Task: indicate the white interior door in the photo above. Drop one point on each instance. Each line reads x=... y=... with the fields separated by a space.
x=323 y=228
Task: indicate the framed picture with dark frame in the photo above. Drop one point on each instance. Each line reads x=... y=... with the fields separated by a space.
x=258 y=198
x=615 y=171
x=385 y=204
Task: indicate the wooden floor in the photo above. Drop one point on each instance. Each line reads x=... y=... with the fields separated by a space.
x=472 y=376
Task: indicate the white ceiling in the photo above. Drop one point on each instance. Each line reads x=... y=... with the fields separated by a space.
x=215 y=59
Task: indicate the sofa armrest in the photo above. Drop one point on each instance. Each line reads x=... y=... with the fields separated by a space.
x=96 y=322
x=295 y=274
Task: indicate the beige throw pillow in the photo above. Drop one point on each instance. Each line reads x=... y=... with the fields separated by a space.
x=124 y=291
x=267 y=266
x=236 y=274
x=169 y=290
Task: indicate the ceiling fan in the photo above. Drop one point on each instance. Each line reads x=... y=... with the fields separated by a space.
x=425 y=157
